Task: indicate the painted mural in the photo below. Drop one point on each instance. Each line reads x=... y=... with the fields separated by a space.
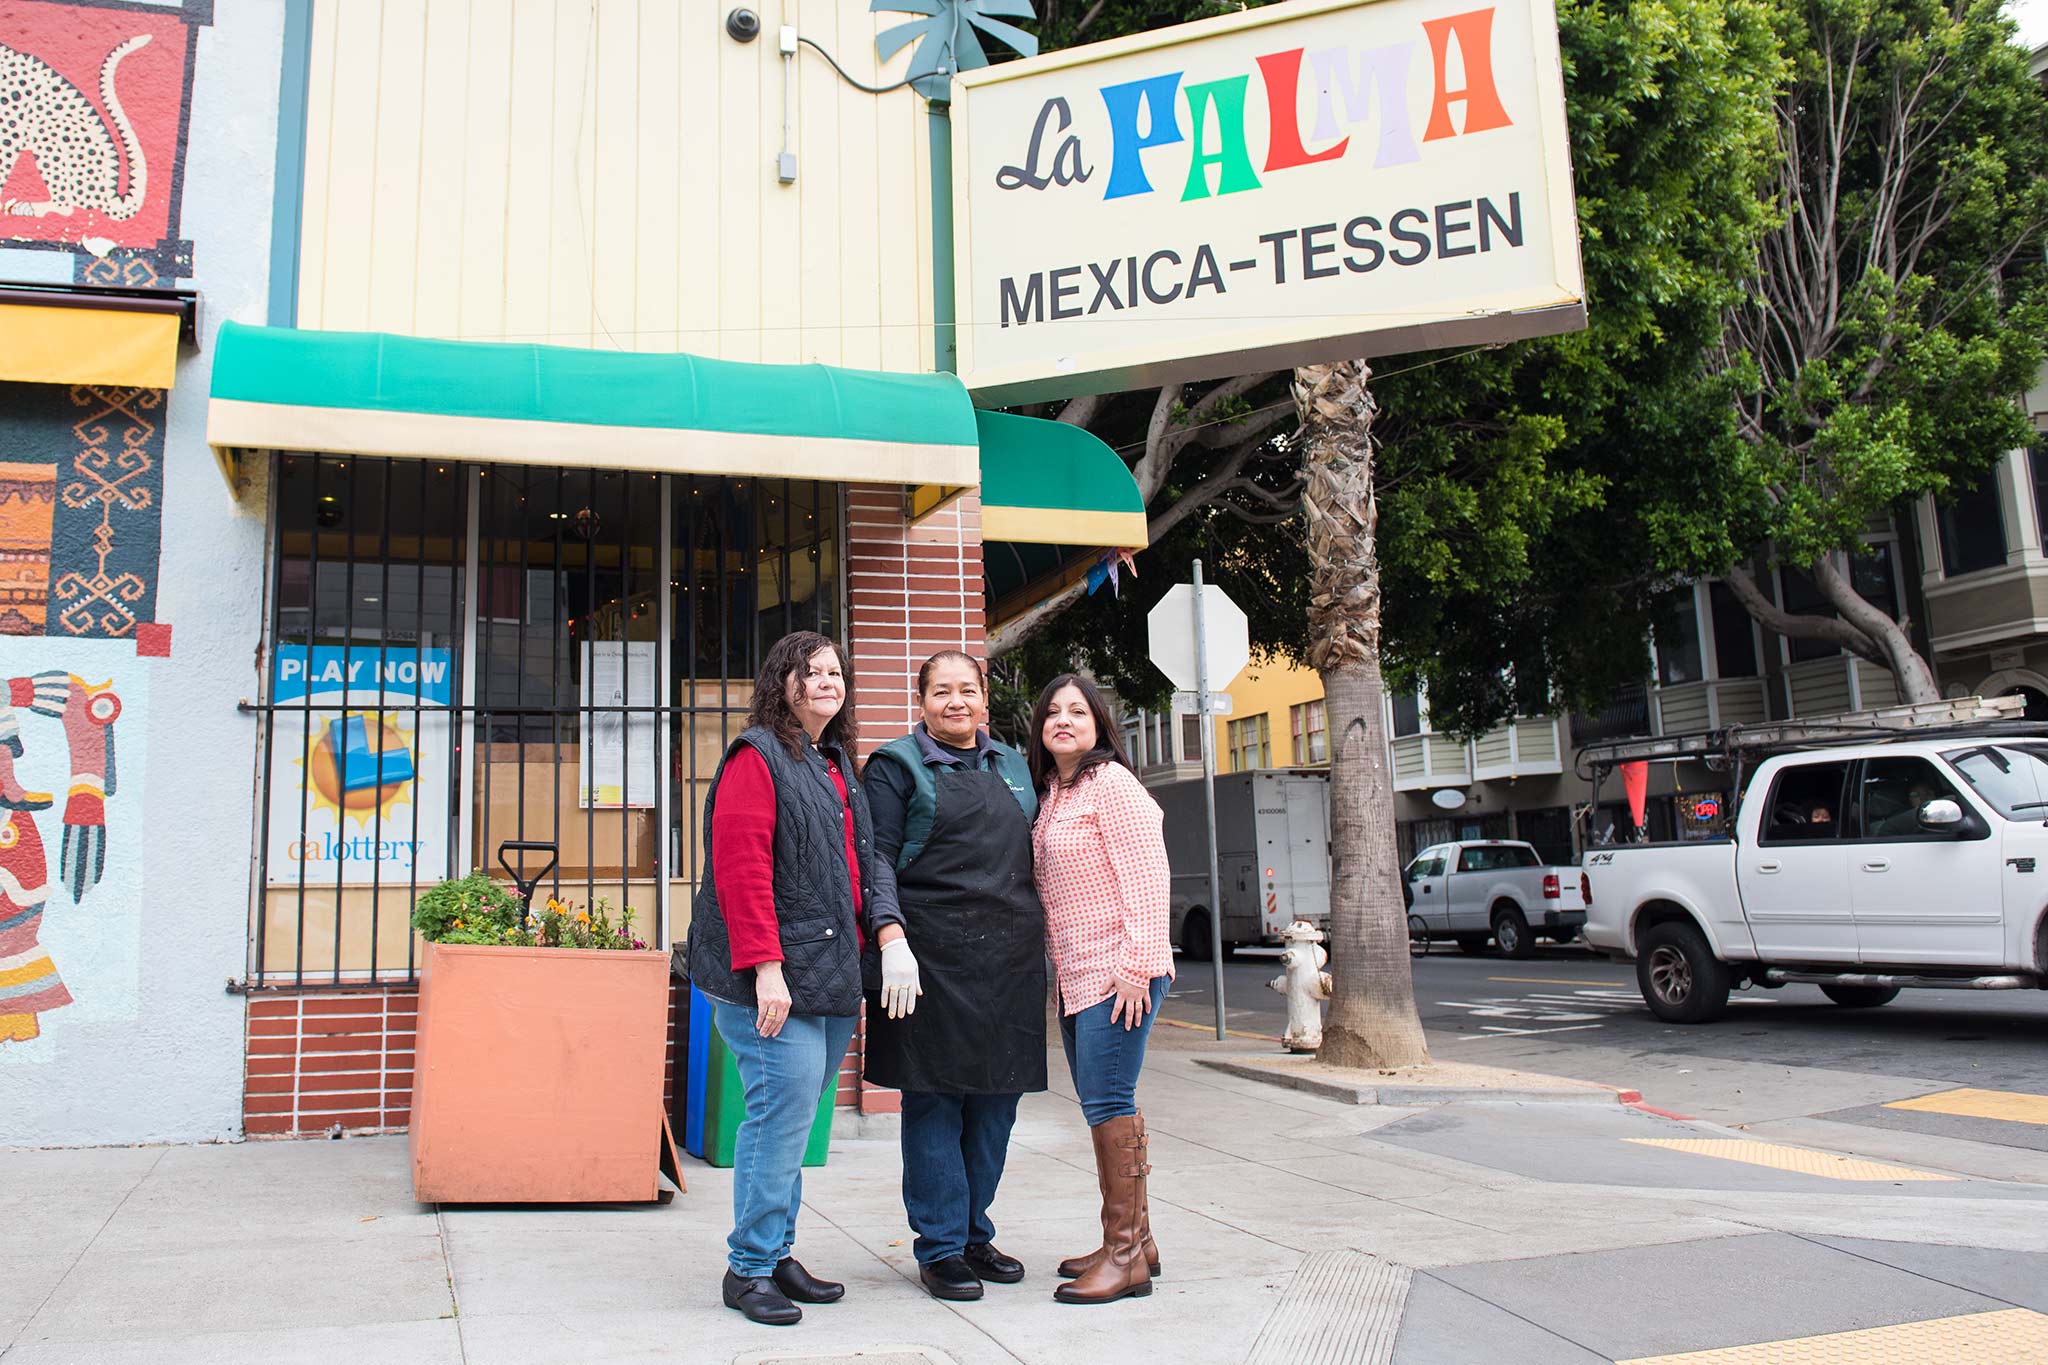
x=66 y=839
x=81 y=509
x=92 y=145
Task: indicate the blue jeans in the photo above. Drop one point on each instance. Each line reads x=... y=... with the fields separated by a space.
x=1103 y=1056
x=783 y=1077
x=953 y=1152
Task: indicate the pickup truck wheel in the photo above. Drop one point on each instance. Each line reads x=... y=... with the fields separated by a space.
x=1472 y=944
x=1511 y=932
x=1860 y=997
x=1194 y=936
x=1681 y=979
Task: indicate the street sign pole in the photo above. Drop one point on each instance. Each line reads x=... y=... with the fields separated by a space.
x=1209 y=798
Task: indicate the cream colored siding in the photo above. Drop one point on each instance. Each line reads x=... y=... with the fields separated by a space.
x=1820 y=688
x=1877 y=685
x=1408 y=766
x=1536 y=746
x=601 y=173
x=1742 y=701
x=1447 y=759
x=1493 y=749
x=1683 y=709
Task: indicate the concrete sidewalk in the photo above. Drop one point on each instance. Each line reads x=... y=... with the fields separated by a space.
x=1462 y=1233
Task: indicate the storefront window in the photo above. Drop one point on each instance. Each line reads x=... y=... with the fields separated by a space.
x=1550 y=830
x=465 y=656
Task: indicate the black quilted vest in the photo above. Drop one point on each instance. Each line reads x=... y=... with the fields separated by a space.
x=813 y=893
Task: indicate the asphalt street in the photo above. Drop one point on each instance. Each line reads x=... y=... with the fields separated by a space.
x=1776 y=1054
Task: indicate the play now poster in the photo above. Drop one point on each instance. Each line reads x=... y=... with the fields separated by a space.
x=359 y=784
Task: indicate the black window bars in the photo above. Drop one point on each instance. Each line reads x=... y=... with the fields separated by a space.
x=437 y=636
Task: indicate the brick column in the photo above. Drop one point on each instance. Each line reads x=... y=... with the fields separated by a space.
x=914 y=590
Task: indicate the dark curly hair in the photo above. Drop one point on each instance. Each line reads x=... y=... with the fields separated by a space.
x=787 y=658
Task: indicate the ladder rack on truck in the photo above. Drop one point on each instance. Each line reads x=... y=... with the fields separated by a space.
x=1737 y=749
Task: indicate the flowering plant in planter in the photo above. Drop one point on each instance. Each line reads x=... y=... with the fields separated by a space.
x=477 y=910
x=525 y=1053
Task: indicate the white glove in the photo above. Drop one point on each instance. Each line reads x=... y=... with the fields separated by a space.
x=900 y=987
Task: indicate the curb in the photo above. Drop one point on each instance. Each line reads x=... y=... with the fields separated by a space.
x=1412 y=1094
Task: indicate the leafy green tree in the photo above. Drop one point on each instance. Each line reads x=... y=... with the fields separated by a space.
x=1895 y=311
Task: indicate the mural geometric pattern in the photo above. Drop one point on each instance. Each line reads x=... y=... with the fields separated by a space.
x=103 y=582
x=81 y=509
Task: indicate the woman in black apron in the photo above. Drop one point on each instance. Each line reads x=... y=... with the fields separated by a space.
x=952 y=810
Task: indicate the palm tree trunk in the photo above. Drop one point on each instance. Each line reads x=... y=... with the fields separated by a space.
x=1372 y=1020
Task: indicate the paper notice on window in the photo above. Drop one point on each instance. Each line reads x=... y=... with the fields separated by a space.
x=615 y=766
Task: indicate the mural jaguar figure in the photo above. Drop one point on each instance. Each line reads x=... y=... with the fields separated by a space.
x=48 y=117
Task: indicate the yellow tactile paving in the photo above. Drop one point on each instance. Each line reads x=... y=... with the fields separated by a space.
x=2011 y=1336
x=2013 y=1105
x=1804 y=1160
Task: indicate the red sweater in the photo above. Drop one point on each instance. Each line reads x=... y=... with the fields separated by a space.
x=743 y=857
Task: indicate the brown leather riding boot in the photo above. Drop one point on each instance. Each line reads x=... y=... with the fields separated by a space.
x=1074 y=1267
x=1121 y=1272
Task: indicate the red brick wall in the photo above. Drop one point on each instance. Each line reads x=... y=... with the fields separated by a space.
x=914 y=590
x=315 y=1060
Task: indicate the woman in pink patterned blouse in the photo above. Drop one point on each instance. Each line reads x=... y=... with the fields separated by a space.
x=1101 y=869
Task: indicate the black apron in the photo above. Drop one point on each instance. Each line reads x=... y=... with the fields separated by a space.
x=971 y=911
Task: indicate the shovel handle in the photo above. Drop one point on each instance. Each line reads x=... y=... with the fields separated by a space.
x=525 y=885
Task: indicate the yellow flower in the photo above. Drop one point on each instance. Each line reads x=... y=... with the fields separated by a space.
x=458 y=924
x=583 y=917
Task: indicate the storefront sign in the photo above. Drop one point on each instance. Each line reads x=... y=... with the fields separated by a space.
x=372 y=787
x=1313 y=180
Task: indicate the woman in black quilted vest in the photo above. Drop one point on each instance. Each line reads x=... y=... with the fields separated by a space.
x=792 y=887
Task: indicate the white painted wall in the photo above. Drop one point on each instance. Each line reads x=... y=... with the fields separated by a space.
x=151 y=1050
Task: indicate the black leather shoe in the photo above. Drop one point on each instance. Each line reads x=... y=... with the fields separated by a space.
x=802 y=1286
x=984 y=1260
x=950 y=1278
x=758 y=1298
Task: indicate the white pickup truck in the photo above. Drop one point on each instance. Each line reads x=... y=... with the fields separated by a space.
x=1862 y=868
x=1478 y=889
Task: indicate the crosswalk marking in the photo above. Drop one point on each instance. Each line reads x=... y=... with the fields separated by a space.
x=1779 y=1157
x=2009 y=1334
x=2011 y=1105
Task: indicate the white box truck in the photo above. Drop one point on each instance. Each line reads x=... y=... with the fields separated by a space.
x=1273 y=854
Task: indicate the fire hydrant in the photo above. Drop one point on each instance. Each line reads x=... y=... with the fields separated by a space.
x=1305 y=984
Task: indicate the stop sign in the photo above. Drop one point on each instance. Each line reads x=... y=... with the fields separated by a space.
x=1171 y=636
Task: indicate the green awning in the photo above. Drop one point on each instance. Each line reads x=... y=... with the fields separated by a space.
x=1049 y=483
x=367 y=393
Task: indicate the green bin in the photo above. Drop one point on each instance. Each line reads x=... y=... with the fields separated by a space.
x=714 y=1100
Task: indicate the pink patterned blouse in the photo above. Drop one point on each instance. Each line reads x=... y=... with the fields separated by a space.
x=1102 y=876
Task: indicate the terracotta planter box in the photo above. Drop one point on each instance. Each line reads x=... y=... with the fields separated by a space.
x=538 y=1075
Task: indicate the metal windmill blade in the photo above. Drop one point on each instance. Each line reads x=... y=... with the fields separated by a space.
x=946 y=38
